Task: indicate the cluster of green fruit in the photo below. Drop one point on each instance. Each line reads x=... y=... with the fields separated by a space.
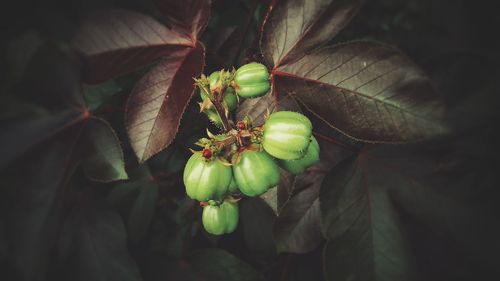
x=243 y=159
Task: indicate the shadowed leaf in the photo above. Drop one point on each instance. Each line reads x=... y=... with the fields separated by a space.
x=188 y=17
x=47 y=102
x=297 y=228
x=158 y=100
x=405 y=212
x=32 y=202
x=105 y=161
x=96 y=95
x=96 y=245
x=257 y=220
x=142 y=211
x=216 y=264
x=362 y=228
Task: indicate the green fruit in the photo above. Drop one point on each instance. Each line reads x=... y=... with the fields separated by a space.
x=300 y=165
x=230 y=99
x=252 y=80
x=220 y=219
x=233 y=187
x=206 y=179
x=287 y=135
x=255 y=172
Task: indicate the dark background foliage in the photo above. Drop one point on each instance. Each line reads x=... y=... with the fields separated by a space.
x=75 y=204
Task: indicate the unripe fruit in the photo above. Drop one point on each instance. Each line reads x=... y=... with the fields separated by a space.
x=300 y=165
x=255 y=172
x=205 y=180
x=229 y=99
x=287 y=135
x=252 y=80
x=220 y=219
x=233 y=187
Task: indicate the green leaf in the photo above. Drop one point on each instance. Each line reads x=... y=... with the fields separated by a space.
x=96 y=246
x=41 y=146
x=96 y=95
x=362 y=227
x=105 y=161
x=257 y=220
x=142 y=211
x=216 y=264
x=31 y=209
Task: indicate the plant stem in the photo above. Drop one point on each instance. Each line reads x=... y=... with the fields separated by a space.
x=217 y=102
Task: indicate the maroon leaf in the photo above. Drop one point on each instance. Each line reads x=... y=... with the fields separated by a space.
x=188 y=17
x=367 y=90
x=385 y=212
x=117 y=42
x=158 y=100
x=292 y=28
x=297 y=228
x=275 y=198
x=257 y=108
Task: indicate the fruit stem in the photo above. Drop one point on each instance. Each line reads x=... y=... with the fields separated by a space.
x=216 y=98
x=222 y=113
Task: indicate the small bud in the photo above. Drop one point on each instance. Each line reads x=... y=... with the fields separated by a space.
x=241 y=125
x=207 y=153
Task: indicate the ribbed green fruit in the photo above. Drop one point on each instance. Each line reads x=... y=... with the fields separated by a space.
x=220 y=219
x=252 y=80
x=233 y=187
x=206 y=180
x=255 y=172
x=300 y=165
x=287 y=135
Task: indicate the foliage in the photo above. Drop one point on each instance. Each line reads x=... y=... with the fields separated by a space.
x=98 y=118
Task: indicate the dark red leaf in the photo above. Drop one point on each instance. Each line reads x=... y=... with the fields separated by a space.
x=158 y=100
x=292 y=28
x=189 y=17
x=297 y=228
x=405 y=212
x=257 y=108
x=367 y=90
x=117 y=42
